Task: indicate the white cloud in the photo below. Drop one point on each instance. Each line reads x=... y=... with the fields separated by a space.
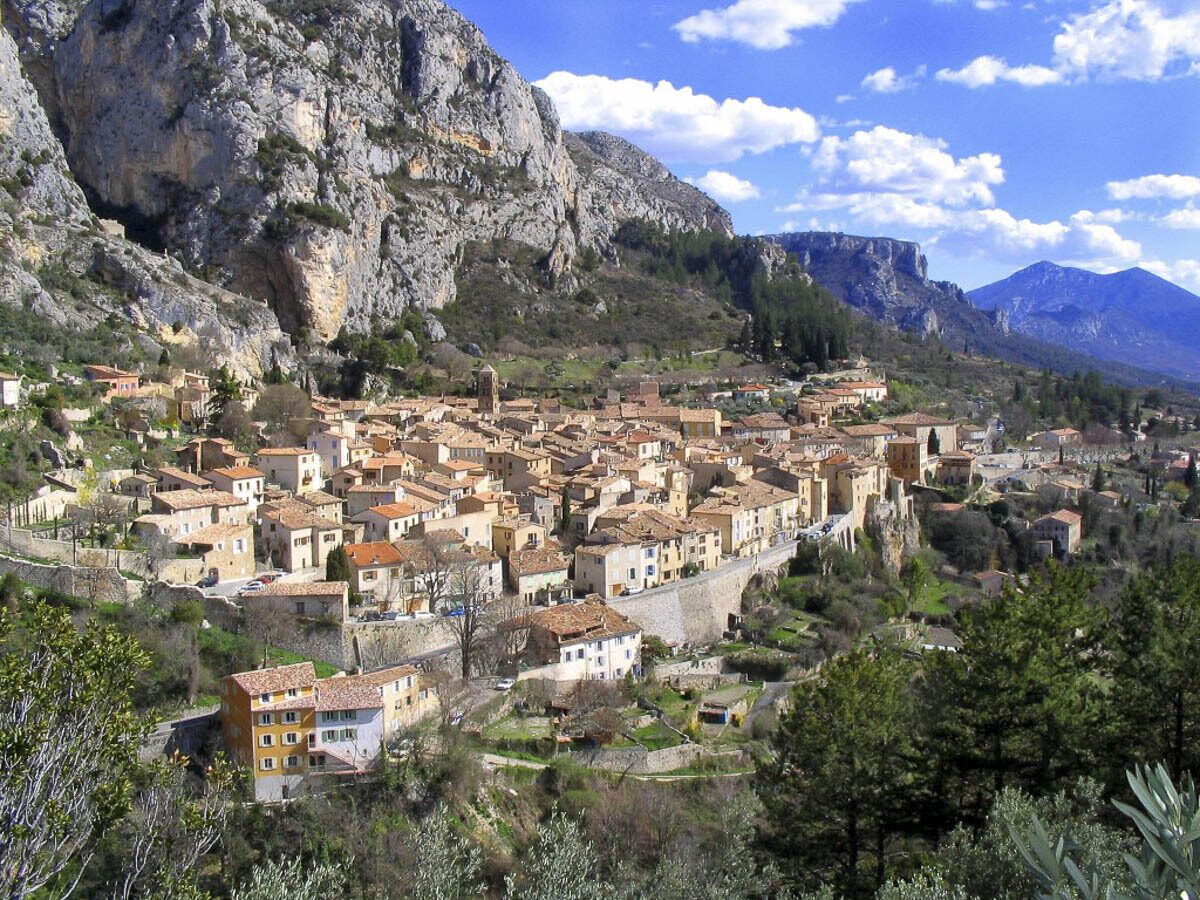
x=762 y=24
x=998 y=234
x=1182 y=219
x=1106 y=216
x=984 y=71
x=1155 y=187
x=884 y=160
x=676 y=124
x=1120 y=39
x=725 y=186
x=1131 y=39
x=1185 y=272
x=888 y=81
x=989 y=5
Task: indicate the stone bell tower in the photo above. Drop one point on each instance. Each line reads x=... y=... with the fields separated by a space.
x=488 y=387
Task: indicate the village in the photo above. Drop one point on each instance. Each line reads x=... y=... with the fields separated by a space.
x=532 y=549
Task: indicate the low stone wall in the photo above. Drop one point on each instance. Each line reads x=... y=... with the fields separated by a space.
x=89 y=582
x=23 y=542
x=640 y=761
x=696 y=610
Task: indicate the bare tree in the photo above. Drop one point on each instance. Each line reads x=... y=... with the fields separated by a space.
x=514 y=618
x=156 y=553
x=175 y=820
x=269 y=626
x=469 y=625
x=281 y=404
x=91 y=576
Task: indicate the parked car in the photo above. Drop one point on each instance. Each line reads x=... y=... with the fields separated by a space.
x=505 y=684
x=371 y=616
x=252 y=588
x=388 y=616
x=207 y=581
x=268 y=577
x=423 y=614
x=457 y=611
x=631 y=591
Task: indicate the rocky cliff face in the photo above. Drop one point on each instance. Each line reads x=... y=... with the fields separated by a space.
x=56 y=261
x=885 y=278
x=329 y=157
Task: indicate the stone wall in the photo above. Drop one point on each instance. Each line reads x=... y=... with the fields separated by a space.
x=640 y=761
x=89 y=582
x=696 y=610
x=28 y=543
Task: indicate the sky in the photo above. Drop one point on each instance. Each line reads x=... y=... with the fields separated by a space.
x=997 y=133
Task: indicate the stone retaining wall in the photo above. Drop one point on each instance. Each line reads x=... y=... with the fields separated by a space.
x=95 y=583
x=640 y=761
x=696 y=610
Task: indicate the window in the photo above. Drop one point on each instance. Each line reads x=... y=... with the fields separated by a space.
x=267 y=763
x=599 y=660
x=629 y=654
x=330 y=735
x=329 y=717
x=633 y=574
x=347 y=715
x=579 y=653
x=649 y=553
x=265 y=719
x=293 y=693
x=348 y=734
x=264 y=698
x=299 y=607
x=266 y=740
x=291 y=762
x=316 y=760
x=312 y=739
x=291 y=738
x=408 y=681
x=649 y=571
x=291 y=718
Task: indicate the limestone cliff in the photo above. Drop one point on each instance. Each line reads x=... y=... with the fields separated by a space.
x=56 y=261
x=330 y=157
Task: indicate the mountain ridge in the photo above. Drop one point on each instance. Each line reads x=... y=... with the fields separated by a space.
x=1132 y=316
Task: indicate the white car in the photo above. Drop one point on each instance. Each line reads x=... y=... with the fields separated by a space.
x=423 y=614
x=632 y=591
x=505 y=684
x=252 y=588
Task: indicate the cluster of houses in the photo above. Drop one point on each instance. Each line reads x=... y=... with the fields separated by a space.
x=538 y=500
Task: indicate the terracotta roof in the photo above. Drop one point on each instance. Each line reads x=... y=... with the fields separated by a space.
x=592 y=620
x=538 y=561
x=374 y=553
x=347 y=692
x=211 y=534
x=189 y=499
x=389 y=674
x=916 y=418
x=304 y=589
x=238 y=472
x=394 y=510
x=285 y=451
x=279 y=678
x=1065 y=516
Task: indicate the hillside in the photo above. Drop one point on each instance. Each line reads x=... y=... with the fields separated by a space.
x=1132 y=317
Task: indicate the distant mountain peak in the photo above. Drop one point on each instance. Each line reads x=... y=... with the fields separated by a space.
x=1132 y=316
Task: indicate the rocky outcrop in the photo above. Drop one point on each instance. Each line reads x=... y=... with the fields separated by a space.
x=897 y=537
x=330 y=158
x=885 y=278
x=624 y=182
x=57 y=261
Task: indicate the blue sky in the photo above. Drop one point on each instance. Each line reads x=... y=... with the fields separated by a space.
x=995 y=132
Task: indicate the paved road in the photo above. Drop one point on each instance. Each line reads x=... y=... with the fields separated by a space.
x=230 y=588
